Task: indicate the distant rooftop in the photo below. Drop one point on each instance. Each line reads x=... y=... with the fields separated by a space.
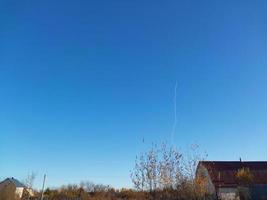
x=14 y=181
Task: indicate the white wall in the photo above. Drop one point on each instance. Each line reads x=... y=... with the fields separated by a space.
x=228 y=194
x=19 y=191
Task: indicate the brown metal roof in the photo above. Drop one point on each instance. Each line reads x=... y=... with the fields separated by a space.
x=223 y=173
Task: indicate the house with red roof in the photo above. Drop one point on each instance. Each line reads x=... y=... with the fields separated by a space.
x=223 y=183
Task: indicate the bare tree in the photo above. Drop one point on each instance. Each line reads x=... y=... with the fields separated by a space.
x=29 y=181
x=165 y=171
x=170 y=167
x=145 y=175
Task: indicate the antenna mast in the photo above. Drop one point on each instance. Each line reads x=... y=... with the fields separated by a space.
x=42 y=196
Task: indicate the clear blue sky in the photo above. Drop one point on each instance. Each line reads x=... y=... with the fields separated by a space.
x=83 y=82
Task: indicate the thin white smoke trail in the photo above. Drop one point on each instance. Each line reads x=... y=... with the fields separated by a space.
x=175 y=113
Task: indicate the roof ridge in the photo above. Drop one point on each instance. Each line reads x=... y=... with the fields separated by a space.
x=16 y=182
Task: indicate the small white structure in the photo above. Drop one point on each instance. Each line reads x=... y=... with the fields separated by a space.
x=15 y=185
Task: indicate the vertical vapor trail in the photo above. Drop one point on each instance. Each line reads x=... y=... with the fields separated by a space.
x=175 y=113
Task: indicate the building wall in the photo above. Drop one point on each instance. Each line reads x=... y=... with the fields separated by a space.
x=222 y=193
x=19 y=191
x=258 y=192
x=203 y=172
x=8 y=188
x=228 y=194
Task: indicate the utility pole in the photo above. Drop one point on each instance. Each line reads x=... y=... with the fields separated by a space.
x=42 y=196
